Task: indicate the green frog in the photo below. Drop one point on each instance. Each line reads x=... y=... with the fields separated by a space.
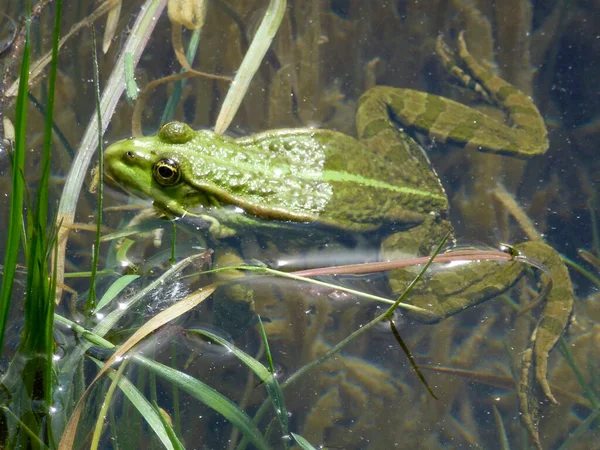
x=381 y=185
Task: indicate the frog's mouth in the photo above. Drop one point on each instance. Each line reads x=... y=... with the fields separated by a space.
x=188 y=201
x=124 y=188
x=108 y=177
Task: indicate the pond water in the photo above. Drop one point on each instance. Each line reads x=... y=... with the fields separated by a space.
x=367 y=395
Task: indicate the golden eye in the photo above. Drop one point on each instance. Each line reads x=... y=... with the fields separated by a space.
x=166 y=172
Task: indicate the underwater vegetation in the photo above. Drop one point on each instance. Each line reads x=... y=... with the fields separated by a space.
x=195 y=367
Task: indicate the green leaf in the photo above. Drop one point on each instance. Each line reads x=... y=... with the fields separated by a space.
x=144 y=407
x=177 y=444
x=115 y=289
x=210 y=398
x=303 y=442
x=266 y=376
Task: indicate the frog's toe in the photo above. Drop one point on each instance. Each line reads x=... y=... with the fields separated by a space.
x=541 y=374
x=529 y=406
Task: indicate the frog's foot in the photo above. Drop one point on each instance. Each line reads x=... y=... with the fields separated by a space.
x=452 y=65
x=527 y=136
x=217 y=229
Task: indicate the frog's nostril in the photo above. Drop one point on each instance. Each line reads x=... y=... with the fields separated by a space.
x=130 y=155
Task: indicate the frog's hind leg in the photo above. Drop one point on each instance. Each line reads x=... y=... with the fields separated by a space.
x=527 y=123
x=558 y=308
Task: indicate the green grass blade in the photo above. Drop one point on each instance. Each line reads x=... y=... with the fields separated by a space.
x=115 y=289
x=49 y=241
x=91 y=303
x=254 y=56
x=15 y=221
x=210 y=398
x=273 y=388
x=256 y=366
x=410 y=358
x=61 y=136
x=42 y=196
x=105 y=405
x=265 y=341
x=503 y=437
x=577 y=435
x=589 y=392
x=175 y=442
x=336 y=348
x=143 y=406
x=303 y=442
x=265 y=375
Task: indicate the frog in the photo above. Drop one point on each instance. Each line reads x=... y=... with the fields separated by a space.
x=380 y=183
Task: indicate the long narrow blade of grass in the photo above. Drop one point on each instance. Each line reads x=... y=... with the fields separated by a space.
x=91 y=303
x=503 y=437
x=209 y=397
x=265 y=375
x=143 y=406
x=410 y=358
x=108 y=322
x=47 y=240
x=42 y=195
x=115 y=289
x=579 y=432
x=174 y=440
x=15 y=223
x=105 y=405
x=254 y=56
x=138 y=37
x=340 y=345
x=587 y=389
x=153 y=324
x=273 y=388
x=303 y=442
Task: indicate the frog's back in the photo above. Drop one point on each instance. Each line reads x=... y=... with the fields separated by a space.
x=340 y=182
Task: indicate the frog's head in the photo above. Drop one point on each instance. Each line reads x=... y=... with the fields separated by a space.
x=181 y=169
x=160 y=168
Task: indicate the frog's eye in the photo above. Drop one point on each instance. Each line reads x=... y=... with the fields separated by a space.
x=175 y=133
x=166 y=172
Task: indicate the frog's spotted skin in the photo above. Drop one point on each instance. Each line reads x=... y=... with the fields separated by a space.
x=299 y=175
x=383 y=178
